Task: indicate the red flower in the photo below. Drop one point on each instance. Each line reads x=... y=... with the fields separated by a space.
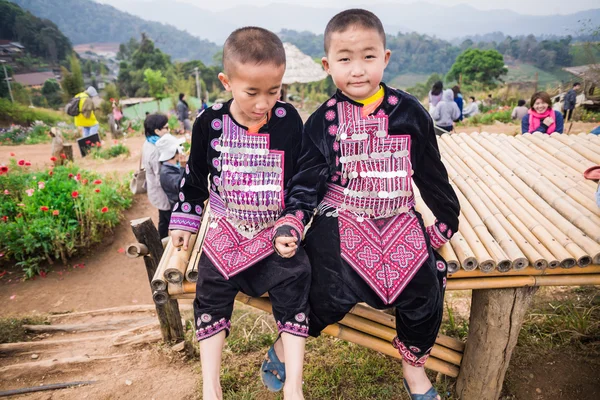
x=27 y=164
x=44 y=208
x=115 y=141
x=3 y=169
x=85 y=181
x=78 y=177
x=97 y=190
x=4 y=218
x=93 y=144
x=98 y=144
x=88 y=142
x=63 y=156
x=53 y=159
x=104 y=209
x=75 y=194
x=70 y=176
x=12 y=154
x=55 y=212
x=21 y=162
x=97 y=182
x=50 y=173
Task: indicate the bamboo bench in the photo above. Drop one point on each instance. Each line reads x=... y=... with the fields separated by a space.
x=528 y=220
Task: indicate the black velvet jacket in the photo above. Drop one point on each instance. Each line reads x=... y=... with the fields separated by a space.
x=285 y=131
x=317 y=163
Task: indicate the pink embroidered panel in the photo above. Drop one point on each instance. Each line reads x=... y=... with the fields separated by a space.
x=233 y=253
x=385 y=252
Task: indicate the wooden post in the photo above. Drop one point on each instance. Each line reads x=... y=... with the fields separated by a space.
x=495 y=322
x=168 y=314
x=68 y=151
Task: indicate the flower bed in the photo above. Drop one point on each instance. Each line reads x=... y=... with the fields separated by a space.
x=36 y=133
x=52 y=214
x=101 y=152
x=501 y=114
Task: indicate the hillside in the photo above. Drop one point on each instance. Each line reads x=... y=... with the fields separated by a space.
x=41 y=38
x=84 y=21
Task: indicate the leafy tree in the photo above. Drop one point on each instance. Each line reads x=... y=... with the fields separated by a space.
x=72 y=81
x=156 y=84
x=482 y=66
x=52 y=93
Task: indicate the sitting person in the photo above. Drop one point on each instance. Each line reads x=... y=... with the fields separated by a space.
x=541 y=117
x=446 y=111
x=519 y=111
x=471 y=109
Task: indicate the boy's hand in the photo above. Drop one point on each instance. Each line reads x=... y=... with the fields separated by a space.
x=180 y=238
x=286 y=246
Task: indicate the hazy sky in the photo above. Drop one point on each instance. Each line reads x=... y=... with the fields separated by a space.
x=536 y=7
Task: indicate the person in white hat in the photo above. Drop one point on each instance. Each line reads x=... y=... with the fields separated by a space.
x=170 y=155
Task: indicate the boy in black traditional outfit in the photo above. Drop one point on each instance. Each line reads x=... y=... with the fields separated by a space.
x=242 y=157
x=361 y=150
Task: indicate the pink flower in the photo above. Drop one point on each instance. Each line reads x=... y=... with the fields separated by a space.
x=41 y=185
x=27 y=164
x=6 y=192
x=70 y=176
x=30 y=192
x=75 y=194
x=63 y=156
x=21 y=162
x=85 y=181
x=55 y=212
x=3 y=169
x=12 y=154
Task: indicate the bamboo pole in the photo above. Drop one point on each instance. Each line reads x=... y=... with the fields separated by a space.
x=177 y=263
x=158 y=281
x=556 y=199
x=581 y=194
x=484 y=217
x=522 y=281
x=191 y=273
x=529 y=271
x=463 y=251
x=511 y=237
x=446 y=250
x=577 y=163
x=590 y=151
x=532 y=229
x=566 y=151
x=135 y=250
x=575 y=241
x=526 y=212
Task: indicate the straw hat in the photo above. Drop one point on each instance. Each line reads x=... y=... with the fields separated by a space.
x=592 y=173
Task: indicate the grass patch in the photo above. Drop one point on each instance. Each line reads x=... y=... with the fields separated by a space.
x=105 y=153
x=11 y=329
x=13 y=113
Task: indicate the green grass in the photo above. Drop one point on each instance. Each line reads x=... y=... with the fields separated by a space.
x=526 y=73
x=407 y=80
x=11 y=329
x=13 y=113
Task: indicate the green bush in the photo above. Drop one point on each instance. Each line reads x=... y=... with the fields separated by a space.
x=52 y=214
x=17 y=134
x=110 y=152
x=501 y=114
x=13 y=113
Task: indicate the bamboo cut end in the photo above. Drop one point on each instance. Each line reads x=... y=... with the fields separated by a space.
x=584 y=261
x=504 y=265
x=487 y=266
x=135 y=250
x=159 y=284
x=470 y=264
x=568 y=263
x=520 y=263
x=453 y=266
x=553 y=264
x=192 y=276
x=160 y=297
x=173 y=276
x=540 y=264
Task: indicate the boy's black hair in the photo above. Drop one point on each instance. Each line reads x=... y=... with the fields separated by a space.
x=437 y=88
x=181 y=96
x=576 y=84
x=472 y=98
x=154 y=121
x=353 y=17
x=254 y=45
x=521 y=103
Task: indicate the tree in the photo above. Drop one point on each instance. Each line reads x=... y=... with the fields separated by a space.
x=156 y=84
x=481 y=66
x=51 y=92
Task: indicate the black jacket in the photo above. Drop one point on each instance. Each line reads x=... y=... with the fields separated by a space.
x=170 y=178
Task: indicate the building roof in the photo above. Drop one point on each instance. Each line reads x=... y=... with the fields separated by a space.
x=34 y=79
x=300 y=68
x=590 y=72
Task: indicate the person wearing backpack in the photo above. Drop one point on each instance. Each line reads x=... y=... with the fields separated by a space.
x=82 y=108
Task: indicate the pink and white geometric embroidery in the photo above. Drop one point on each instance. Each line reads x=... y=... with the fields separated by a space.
x=233 y=253
x=408 y=356
x=386 y=253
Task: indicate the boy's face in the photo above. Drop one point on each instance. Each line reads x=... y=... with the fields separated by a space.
x=356 y=60
x=255 y=90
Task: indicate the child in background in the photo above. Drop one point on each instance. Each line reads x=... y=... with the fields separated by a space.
x=170 y=156
x=243 y=155
x=446 y=111
x=519 y=111
x=366 y=242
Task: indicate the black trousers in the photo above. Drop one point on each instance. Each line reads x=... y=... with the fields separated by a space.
x=287 y=280
x=164 y=217
x=336 y=287
x=568 y=114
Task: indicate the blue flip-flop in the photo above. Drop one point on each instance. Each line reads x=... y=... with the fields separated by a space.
x=269 y=379
x=431 y=394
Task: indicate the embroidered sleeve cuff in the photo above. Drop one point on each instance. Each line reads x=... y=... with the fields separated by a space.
x=185 y=222
x=292 y=222
x=439 y=233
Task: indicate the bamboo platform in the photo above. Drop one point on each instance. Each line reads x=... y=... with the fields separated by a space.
x=528 y=219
